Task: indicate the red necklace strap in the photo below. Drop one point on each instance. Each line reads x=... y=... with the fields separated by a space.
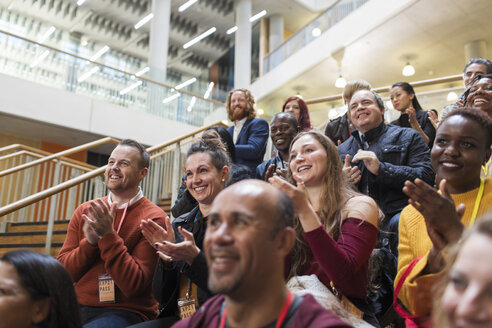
x=280 y=319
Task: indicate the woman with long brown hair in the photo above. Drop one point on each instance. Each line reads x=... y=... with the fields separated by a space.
x=336 y=227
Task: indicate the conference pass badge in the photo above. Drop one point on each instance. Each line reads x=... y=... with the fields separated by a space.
x=186 y=307
x=106 y=289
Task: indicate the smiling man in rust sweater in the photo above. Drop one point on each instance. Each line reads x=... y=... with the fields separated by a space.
x=105 y=252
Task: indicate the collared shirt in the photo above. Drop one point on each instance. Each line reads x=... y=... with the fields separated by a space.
x=238 y=125
x=280 y=163
x=363 y=141
x=132 y=201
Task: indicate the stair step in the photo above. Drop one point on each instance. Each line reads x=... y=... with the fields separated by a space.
x=165 y=205
x=36 y=226
x=38 y=247
x=31 y=237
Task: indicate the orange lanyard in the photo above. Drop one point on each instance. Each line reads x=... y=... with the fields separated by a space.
x=122 y=218
x=280 y=319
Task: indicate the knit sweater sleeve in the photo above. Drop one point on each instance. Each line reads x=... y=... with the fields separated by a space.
x=415 y=293
x=132 y=271
x=342 y=260
x=77 y=255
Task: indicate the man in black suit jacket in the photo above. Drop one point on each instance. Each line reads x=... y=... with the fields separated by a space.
x=250 y=134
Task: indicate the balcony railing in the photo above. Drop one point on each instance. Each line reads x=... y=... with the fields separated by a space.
x=311 y=31
x=43 y=64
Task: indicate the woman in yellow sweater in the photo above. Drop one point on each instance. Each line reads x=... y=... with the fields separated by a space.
x=432 y=221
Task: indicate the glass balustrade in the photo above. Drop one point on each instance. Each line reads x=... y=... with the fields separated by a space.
x=22 y=58
x=310 y=32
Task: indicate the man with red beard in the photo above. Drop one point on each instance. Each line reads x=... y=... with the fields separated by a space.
x=108 y=258
x=249 y=234
x=250 y=134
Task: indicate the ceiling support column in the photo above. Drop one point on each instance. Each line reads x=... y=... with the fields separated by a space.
x=159 y=39
x=242 y=50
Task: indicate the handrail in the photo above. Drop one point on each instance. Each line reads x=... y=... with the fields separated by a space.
x=50 y=191
x=112 y=68
x=188 y=135
x=84 y=177
x=65 y=160
x=10 y=147
x=423 y=83
x=58 y=155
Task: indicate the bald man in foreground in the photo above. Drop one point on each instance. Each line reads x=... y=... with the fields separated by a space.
x=249 y=234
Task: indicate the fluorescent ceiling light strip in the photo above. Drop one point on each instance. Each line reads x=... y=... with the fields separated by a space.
x=98 y=54
x=199 y=38
x=251 y=19
x=187 y=5
x=232 y=30
x=11 y=5
x=257 y=16
x=193 y=101
x=144 y=21
x=130 y=88
x=88 y=74
x=39 y=59
x=171 y=98
x=80 y=2
x=185 y=83
x=47 y=34
x=209 y=90
x=142 y=71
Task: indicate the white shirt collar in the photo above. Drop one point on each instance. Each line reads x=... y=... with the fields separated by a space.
x=238 y=126
x=132 y=201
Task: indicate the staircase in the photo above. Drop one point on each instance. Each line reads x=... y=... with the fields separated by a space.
x=32 y=235
x=51 y=186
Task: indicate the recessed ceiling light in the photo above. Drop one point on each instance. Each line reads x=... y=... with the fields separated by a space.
x=171 y=98
x=199 y=38
x=187 y=5
x=144 y=21
x=130 y=88
x=98 y=54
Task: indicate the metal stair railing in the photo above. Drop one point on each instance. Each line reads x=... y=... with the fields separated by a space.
x=26 y=170
x=163 y=180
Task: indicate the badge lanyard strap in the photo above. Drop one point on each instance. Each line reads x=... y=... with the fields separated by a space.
x=477 y=202
x=188 y=289
x=122 y=218
x=280 y=319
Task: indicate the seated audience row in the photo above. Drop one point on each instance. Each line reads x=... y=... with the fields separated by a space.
x=239 y=242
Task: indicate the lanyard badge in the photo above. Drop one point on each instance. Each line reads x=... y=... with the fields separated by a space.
x=187 y=305
x=106 y=289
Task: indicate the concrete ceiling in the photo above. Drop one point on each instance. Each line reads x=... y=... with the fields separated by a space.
x=432 y=33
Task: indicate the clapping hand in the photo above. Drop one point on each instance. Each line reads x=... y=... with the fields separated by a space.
x=154 y=233
x=182 y=251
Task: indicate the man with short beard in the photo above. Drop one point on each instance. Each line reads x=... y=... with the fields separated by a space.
x=283 y=128
x=249 y=234
x=108 y=258
x=250 y=134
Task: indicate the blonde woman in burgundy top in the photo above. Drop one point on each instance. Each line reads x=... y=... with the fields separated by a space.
x=337 y=227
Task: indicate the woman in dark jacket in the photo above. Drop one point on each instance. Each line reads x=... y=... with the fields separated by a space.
x=180 y=279
x=412 y=116
x=185 y=202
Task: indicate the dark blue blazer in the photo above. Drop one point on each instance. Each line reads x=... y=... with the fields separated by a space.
x=251 y=142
